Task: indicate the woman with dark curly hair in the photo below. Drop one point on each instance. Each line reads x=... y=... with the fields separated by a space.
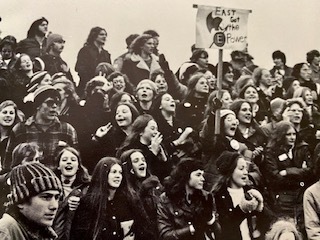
x=104 y=212
x=90 y=55
x=186 y=211
x=288 y=170
x=142 y=62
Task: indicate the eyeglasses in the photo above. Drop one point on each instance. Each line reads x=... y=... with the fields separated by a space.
x=51 y=102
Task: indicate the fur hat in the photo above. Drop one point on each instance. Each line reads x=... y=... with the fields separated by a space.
x=227 y=162
x=44 y=92
x=35 y=80
x=53 y=37
x=29 y=180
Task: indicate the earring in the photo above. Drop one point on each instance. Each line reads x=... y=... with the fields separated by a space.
x=131 y=171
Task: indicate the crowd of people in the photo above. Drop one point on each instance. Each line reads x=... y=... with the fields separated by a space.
x=136 y=150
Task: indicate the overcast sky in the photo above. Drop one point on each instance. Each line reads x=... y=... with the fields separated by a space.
x=289 y=25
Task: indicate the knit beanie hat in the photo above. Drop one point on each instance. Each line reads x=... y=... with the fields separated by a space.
x=227 y=162
x=53 y=37
x=277 y=103
x=35 y=80
x=225 y=112
x=29 y=180
x=44 y=92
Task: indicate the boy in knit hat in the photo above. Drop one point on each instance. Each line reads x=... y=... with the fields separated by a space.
x=33 y=202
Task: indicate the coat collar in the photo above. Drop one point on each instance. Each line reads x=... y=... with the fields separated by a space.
x=142 y=64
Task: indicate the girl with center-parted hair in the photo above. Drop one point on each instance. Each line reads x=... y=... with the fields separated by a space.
x=104 y=212
x=143 y=190
x=144 y=135
x=238 y=205
x=191 y=110
x=142 y=62
x=108 y=138
x=146 y=91
x=288 y=170
x=75 y=180
x=186 y=211
x=177 y=138
x=250 y=133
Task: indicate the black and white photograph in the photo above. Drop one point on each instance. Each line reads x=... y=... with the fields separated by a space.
x=160 y=120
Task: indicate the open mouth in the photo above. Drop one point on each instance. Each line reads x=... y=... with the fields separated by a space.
x=142 y=168
x=68 y=168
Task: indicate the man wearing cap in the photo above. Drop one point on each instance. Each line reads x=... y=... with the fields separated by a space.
x=52 y=59
x=32 y=203
x=43 y=127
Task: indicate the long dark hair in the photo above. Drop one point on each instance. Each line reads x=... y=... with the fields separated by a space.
x=34 y=28
x=94 y=32
x=98 y=191
x=138 y=127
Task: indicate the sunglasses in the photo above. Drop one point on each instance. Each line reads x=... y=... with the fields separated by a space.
x=51 y=102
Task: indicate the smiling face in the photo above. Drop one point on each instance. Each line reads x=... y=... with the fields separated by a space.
x=196 y=179
x=149 y=131
x=239 y=176
x=145 y=93
x=308 y=98
x=125 y=98
x=161 y=83
x=115 y=176
x=7 y=116
x=245 y=113
x=68 y=164
x=123 y=116
x=25 y=63
x=42 y=208
x=119 y=84
x=230 y=125
x=251 y=95
x=228 y=76
x=167 y=103
x=265 y=78
x=139 y=165
x=212 y=80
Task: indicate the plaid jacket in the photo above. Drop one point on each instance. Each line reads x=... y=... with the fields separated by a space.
x=30 y=131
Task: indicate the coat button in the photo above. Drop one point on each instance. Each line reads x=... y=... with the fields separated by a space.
x=176 y=213
x=302 y=184
x=114 y=233
x=223 y=197
x=230 y=209
x=113 y=217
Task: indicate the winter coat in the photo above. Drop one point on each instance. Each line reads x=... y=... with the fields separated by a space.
x=88 y=59
x=55 y=64
x=287 y=191
x=17 y=227
x=175 y=218
x=136 y=68
x=64 y=217
x=32 y=47
x=117 y=215
x=231 y=217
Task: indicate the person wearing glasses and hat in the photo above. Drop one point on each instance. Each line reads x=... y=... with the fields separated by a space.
x=43 y=127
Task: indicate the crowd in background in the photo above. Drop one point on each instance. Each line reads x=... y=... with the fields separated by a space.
x=145 y=152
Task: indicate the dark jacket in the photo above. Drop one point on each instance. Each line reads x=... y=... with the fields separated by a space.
x=118 y=213
x=87 y=61
x=175 y=217
x=32 y=47
x=231 y=217
x=136 y=68
x=55 y=64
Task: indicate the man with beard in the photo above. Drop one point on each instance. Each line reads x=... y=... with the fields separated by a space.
x=52 y=60
x=35 y=43
x=43 y=128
